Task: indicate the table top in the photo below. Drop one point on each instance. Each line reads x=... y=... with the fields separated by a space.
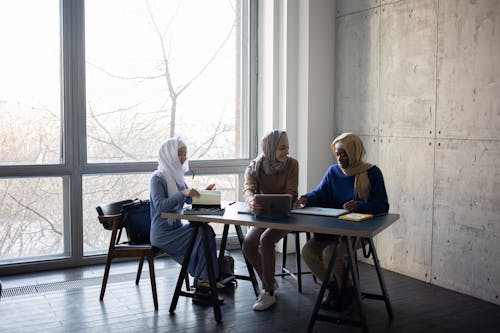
x=295 y=222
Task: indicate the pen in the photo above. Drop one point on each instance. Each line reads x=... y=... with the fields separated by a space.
x=243 y=212
x=231 y=203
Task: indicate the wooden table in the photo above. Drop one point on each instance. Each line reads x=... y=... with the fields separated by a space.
x=349 y=232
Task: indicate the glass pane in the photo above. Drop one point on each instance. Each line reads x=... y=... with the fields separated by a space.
x=30 y=112
x=155 y=69
x=31 y=217
x=101 y=189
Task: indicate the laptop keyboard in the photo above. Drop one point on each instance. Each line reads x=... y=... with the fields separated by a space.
x=204 y=211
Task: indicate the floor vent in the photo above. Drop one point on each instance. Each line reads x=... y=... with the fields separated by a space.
x=69 y=285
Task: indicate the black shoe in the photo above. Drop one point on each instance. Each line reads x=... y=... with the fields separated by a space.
x=344 y=303
x=347 y=300
x=330 y=300
x=204 y=298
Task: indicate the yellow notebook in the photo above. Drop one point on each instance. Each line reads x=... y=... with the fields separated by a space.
x=356 y=217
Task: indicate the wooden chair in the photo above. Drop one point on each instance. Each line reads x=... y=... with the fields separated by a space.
x=111 y=218
x=284 y=270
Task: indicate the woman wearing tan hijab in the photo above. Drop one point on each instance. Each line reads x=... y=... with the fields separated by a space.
x=351 y=184
x=271 y=172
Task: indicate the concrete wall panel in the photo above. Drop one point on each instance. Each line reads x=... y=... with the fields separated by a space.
x=407 y=165
x=348 y=6
x=469 y=70
x=439 y=134
x=371 y=146
x=407 y=68
x=357 y=73
x=466 y=231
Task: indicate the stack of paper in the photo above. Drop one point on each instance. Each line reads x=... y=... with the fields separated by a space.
x=207 y=199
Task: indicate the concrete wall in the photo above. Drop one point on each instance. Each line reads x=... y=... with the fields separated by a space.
x=420 y=81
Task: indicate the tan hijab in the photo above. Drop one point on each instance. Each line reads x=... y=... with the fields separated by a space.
x=355 y=151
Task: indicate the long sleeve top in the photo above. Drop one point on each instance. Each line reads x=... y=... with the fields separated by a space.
x=285 y=182
x=336 y=188
x=161 y=202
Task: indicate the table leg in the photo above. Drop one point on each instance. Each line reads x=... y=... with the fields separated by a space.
x=355 y=278
x=211 y=274
x=223 y=243
x=185 y=263
x=251 y=272
x=385 y=295
x=326 y=279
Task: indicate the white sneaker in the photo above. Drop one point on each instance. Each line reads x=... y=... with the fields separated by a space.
x=264 y=301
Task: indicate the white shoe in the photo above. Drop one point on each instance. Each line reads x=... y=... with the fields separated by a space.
x=264 y=301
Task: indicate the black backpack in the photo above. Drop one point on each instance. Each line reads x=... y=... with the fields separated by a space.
x=137 y=221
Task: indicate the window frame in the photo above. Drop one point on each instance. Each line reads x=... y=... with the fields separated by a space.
x=74 y=166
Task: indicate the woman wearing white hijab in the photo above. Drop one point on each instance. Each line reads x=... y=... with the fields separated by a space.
x=271 y=172
x=169 y=192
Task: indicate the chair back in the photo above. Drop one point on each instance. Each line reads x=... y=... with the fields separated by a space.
x=112 y=208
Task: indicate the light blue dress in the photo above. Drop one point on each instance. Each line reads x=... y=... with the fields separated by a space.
x=172 y=236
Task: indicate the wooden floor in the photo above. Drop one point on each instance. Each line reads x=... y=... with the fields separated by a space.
x=68 y=301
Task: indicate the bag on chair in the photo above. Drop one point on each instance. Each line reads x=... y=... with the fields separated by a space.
x=137 y=220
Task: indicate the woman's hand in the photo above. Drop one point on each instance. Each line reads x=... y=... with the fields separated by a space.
x=300 y=203
x=190 y=192
x=254 y=207
x=351 y=206
x=210 y=187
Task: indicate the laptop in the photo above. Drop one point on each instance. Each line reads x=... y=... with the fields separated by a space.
x=274 y=206
x=322 y=211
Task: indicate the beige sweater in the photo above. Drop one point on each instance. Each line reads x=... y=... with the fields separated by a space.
x=285 y=182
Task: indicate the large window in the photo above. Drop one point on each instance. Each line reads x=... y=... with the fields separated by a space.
x=155 y=69
x=88 y=92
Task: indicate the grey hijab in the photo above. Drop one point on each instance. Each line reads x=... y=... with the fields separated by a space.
x=266 y=161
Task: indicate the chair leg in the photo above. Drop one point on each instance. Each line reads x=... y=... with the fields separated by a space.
x=283 y=260
x=105 y=277
x=186 y=279
x=152 y=277
x=139 y=270
x=297 y=254
x=308 y=237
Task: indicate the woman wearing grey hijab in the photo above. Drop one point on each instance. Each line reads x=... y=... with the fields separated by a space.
x=273 y=171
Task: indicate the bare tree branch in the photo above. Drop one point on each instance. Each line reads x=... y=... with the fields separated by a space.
x=28 y=208
x=209 y=61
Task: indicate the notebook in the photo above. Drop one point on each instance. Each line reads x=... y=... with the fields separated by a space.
x=358 y=217
x=334 y=212
x=275 y=206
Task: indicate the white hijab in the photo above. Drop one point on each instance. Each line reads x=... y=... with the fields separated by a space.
x=170 y=166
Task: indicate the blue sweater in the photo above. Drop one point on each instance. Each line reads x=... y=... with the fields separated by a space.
x=336 y=188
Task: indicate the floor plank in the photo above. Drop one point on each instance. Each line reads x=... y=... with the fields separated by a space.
x=61 y=306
